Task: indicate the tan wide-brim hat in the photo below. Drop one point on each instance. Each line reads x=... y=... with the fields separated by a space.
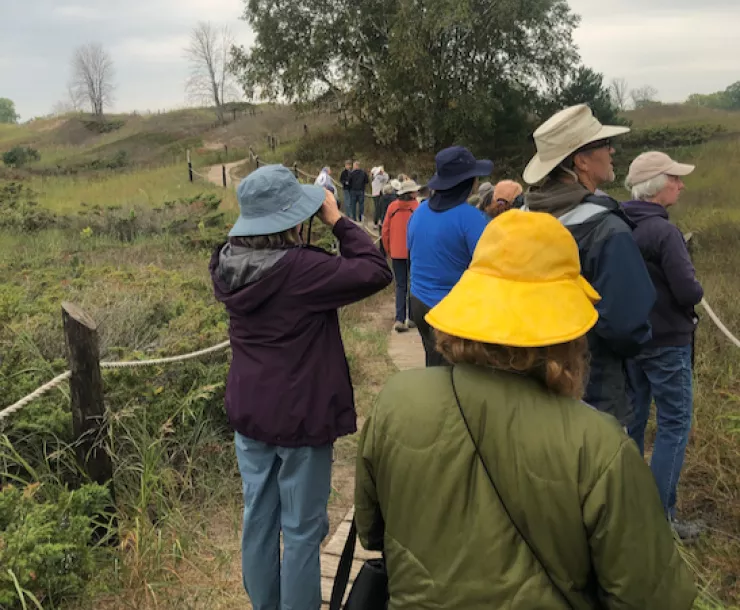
x=407 y=186
x=650 y=165
x=562 y=135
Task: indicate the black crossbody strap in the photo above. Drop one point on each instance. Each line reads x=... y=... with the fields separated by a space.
x=345 y=567
x=500 y=498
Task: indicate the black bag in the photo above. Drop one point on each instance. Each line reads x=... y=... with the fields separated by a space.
x=370 y=589
x=500 y=498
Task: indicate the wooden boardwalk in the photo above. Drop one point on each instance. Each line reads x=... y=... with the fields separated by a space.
x=406 y=351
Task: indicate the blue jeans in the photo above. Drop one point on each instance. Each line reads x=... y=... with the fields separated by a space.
x=356 y=205
x=663 y=373
x=345 y=201
x=401 y=275
x=284 y=489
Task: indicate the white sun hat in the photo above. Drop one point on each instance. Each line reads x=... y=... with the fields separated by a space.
x=562 y=135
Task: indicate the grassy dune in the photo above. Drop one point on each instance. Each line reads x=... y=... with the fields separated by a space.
x=177 y=489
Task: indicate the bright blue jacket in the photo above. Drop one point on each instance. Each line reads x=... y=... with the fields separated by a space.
x=441 y=246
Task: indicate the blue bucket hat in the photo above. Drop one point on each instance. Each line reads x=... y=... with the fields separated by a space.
x=456 y=165
x=271 y=200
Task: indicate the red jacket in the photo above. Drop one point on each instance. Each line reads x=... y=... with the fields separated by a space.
x=394 y=227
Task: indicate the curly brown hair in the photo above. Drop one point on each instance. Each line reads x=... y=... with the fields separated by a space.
x=563 y=368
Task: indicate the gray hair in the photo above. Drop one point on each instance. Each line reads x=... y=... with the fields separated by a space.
x=644 y=191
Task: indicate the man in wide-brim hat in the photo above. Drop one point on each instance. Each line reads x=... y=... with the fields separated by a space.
x=574 y=158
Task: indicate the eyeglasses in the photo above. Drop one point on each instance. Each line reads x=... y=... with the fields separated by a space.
x=606 y=143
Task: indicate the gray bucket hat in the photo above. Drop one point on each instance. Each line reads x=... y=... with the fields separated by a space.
x=271 y=200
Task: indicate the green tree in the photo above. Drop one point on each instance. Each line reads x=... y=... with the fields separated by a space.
x=585 y=86
x=7 y=111
x=419 y=73
x=732 y=94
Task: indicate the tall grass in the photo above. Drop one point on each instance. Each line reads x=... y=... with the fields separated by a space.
x=147 y=187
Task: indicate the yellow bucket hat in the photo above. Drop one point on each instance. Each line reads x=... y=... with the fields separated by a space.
x=523 y=288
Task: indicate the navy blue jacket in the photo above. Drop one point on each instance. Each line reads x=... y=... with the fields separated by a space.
x=612 y=263
x=667 y=258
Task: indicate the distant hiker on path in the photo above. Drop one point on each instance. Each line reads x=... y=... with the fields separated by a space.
x=344 y=179
x=574 y=157
x=358 y=180
x=489 y=483
x=662 y=370
x=288 y=393
x=394 y=242
x=380 y=179
x=442 y=236
x=324 y=180
x=388 y=197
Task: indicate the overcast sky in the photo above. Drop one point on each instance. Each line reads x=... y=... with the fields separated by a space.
x=677 y=46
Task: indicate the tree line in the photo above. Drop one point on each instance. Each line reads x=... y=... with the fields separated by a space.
x=418 y=74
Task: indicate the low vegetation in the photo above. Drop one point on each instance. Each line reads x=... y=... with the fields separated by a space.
x=130 y=245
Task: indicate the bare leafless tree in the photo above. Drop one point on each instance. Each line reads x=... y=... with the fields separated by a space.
x=643 y=96
x=619 y=91
x=92 y=78
x=210 y=81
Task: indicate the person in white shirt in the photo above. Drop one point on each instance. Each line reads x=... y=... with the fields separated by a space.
x=380 y=179
x=324 y=179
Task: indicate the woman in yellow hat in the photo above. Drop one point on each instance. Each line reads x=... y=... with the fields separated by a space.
x=489 y=483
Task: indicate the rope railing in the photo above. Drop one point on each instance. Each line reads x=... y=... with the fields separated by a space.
x=59 y=379
x=719 y=324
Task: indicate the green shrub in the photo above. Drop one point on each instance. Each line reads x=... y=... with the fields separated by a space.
x=117 y=161
x=103 y=126
x=20 y=155
x=20 y=210
x=45 y=542
x=671 y=136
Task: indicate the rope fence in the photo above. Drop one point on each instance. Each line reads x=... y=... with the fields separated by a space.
x=718 y=323
x=59 y=379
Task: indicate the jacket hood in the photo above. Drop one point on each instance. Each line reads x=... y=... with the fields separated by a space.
x=244 y=278
x=637 y=211
x=555 y=197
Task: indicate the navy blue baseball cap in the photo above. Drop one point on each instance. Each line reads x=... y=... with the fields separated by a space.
x=271 y=200
x=456 y=165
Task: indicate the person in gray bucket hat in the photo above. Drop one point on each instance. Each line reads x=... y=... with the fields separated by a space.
x=288 y=393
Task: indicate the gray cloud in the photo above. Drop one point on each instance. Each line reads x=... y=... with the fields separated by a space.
x=144 y=37
x=676 y=46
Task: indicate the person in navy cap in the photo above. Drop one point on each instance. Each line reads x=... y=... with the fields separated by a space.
x=442 y=235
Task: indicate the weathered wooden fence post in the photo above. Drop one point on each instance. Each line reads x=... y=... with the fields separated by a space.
x=190 y=167
x=295 y=170
x=223 y=174
x=86 y=391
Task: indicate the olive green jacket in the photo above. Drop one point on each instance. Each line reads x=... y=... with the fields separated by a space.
x=576 y=485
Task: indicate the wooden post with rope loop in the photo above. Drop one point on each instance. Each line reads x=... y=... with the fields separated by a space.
x=86 y=394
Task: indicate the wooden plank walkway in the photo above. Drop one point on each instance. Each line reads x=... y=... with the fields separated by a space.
x=407 y=352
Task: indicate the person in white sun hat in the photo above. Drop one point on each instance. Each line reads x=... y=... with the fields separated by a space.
x=574 y=157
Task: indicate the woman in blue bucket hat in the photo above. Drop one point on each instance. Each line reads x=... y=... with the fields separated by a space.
x=289 y=394
x=442 y=235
